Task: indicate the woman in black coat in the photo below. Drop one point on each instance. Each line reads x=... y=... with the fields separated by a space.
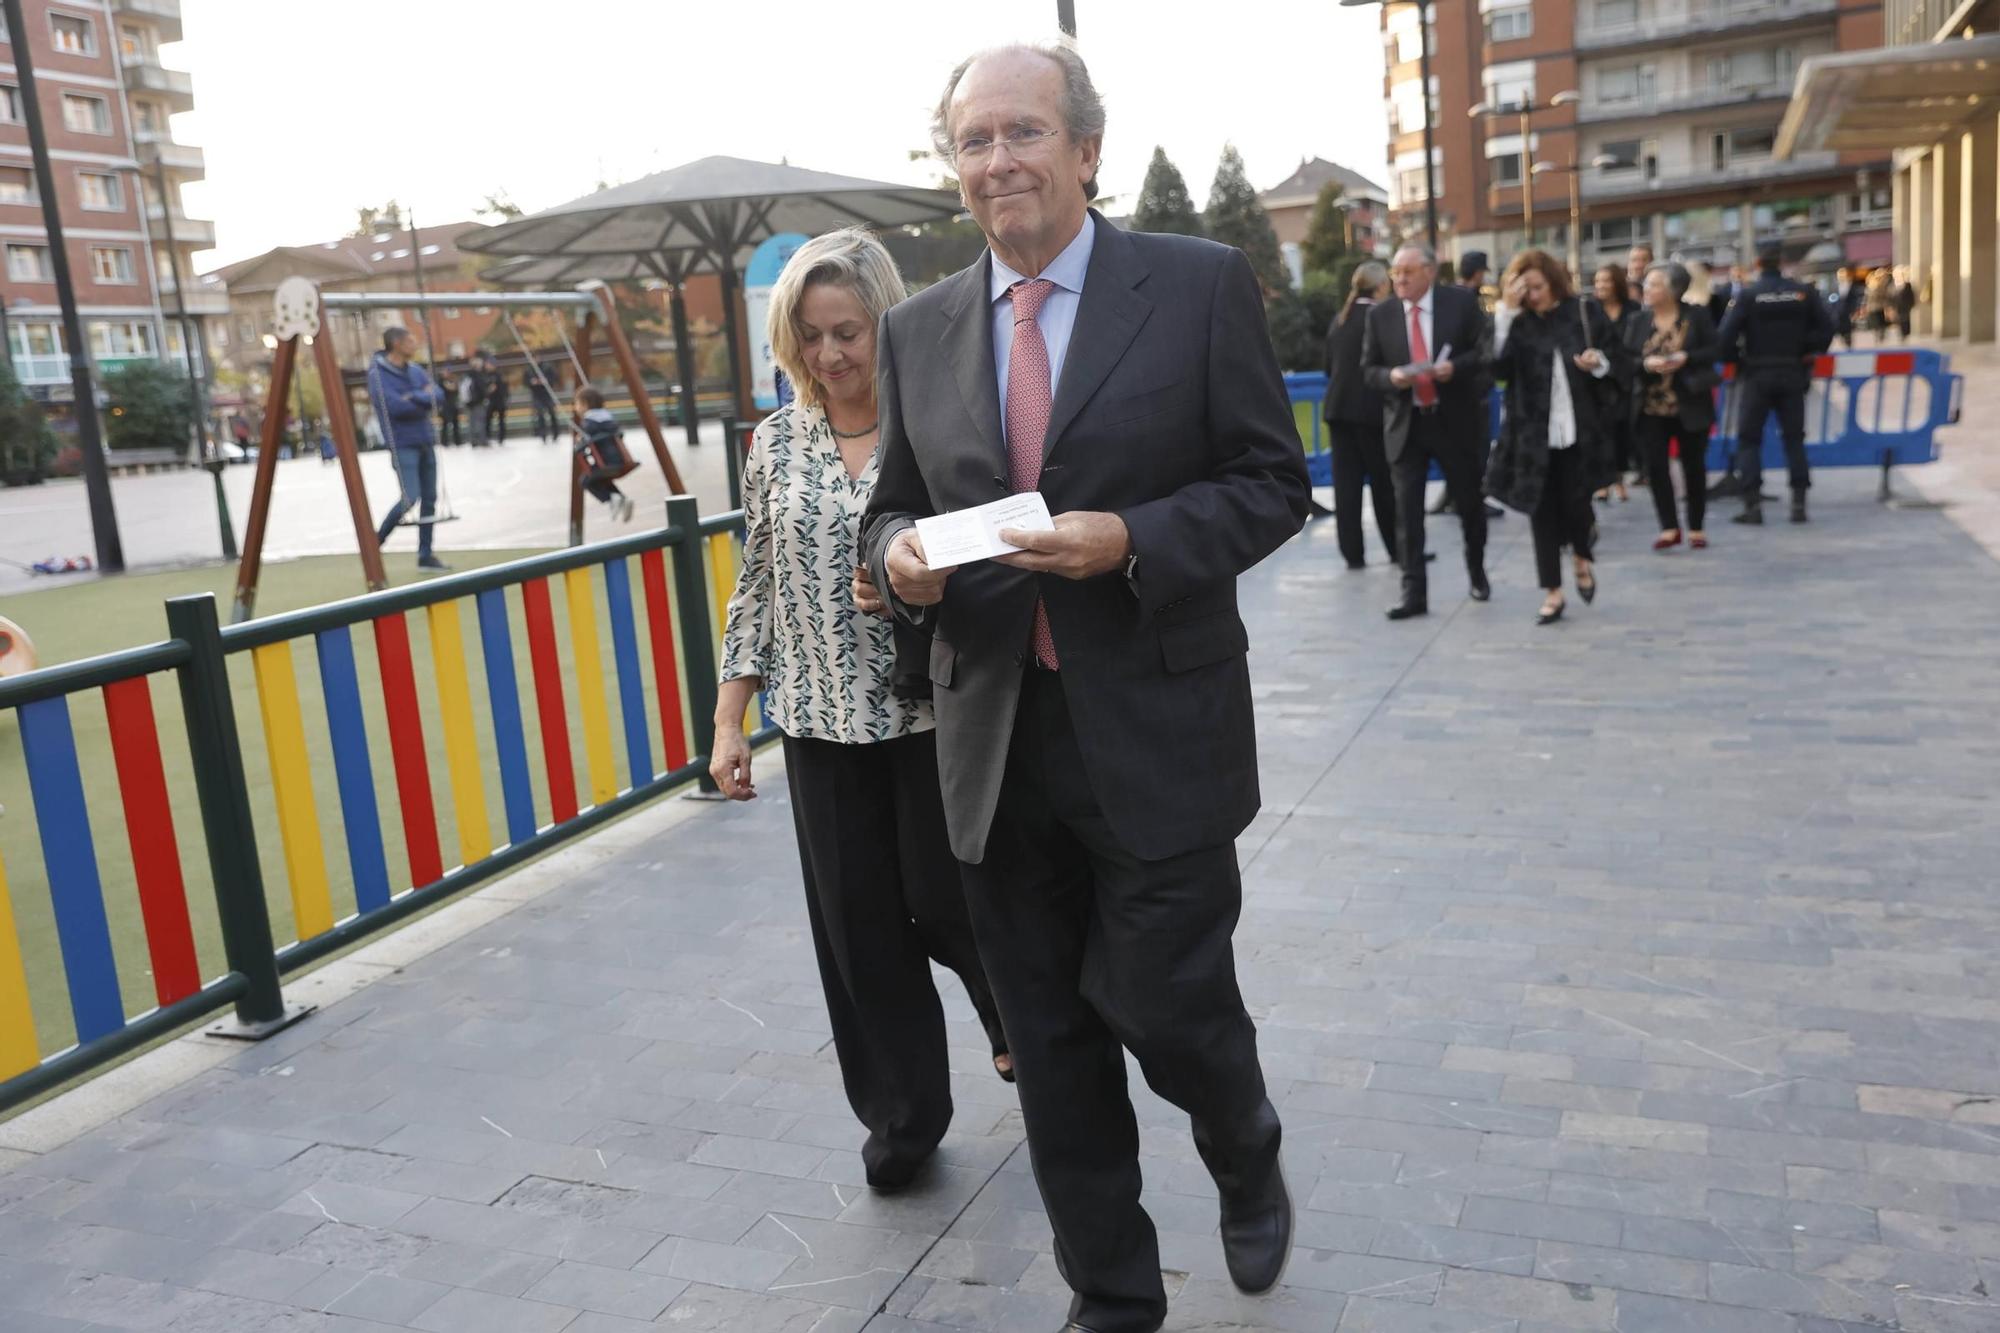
x=1555 y=353
x=1621 y=306
x=1674 y=347
x=1353 y=414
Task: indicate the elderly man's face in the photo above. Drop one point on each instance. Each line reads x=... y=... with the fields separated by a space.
x=1020 y=171
x=1411 y=274
x=1637 y=261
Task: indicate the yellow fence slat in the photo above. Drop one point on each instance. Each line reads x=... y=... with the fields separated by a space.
x=461 y=743
x=590 y=685
x=291 y=785
x=18 y=1052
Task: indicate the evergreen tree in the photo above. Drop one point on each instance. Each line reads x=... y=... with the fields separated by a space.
x=149 y=407
x=1235 y=218
x=1326 y=234
x=1164 y=204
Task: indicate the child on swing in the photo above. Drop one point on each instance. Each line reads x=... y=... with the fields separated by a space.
x=602 y=448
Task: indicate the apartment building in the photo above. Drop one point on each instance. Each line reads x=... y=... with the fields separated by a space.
x=107 y=104
x=1932 y=97
x=1363 y=204
x=1649 y=121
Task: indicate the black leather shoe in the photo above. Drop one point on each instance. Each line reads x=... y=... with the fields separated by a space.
x=1481 y=589
x=1752 y=514
x=1549 y=617
x=1257 y=1237
x=1798 y=506
x=1588 y=591
x=1495 y=511
x=1408 y=611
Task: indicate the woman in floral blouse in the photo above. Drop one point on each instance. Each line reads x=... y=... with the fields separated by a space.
x=882 y=887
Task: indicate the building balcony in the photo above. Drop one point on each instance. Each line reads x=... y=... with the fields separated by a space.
x=195 y=233
x=1634 y=185
x=201 y=300
x=1703 y=98
x=186 y=161
x=145 y=74
x=1674 y=23
x=165 y=15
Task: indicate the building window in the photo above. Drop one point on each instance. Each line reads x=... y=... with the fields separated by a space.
x=135 y=43
x=220 y=332
x=1403 y=33
x=73 y=36
x=121 y=338
x=100 y=191
x=1510 y=24
x=146 y=118
x=86 y=115
x=1617 y=13
x=1510 y=85
x=17 y=186
x=1406 y=107
x=1615 y=86
x=1735 y=147
x=111 y=263
x=1506 y=168
x=35 y=338
x=457 y=348
x=451 y=312
x=10 y=104
x=248 y=330
x=30 y=263
x=1623 y=152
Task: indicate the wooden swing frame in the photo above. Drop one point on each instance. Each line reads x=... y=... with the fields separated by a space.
x=592 y=300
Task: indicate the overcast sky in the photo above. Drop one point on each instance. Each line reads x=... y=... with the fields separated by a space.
x=309 y=109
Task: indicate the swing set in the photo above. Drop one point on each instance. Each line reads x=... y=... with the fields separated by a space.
x=300 y=308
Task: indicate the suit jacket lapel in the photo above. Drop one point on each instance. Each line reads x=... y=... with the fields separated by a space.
x=968 y=345
x=1108 y=317
x=1403 y=357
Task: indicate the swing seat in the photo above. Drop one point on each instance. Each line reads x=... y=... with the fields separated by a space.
x=415 y=522
x=606 y=459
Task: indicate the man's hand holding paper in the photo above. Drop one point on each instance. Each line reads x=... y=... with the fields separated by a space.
x=980 y=533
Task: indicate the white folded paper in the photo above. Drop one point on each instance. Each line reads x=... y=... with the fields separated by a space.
x=974 y=534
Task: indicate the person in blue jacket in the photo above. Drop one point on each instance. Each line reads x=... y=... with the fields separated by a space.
x=404 y=399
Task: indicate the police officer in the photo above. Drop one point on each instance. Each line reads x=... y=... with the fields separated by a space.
x=1773 y=330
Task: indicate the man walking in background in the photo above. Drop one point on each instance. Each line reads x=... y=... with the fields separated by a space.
x=405 y=400
x=1096 y=739
x=1426 y=350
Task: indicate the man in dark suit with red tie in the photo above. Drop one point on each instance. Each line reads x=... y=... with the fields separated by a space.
x=1096 y=740
x=1426 y=350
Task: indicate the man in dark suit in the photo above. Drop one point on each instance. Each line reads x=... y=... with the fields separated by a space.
x=1427 y=351
x=1096 y=740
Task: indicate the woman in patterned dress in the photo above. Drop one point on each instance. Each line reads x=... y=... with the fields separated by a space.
x=1675 y=348
x=882 y=887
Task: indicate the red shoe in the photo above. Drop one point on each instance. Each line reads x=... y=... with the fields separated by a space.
x=1663 y=543
x=1698 y=542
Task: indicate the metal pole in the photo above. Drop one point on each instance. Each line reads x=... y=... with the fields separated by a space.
x=1575 y=220
x=732 y=329
x=1430 y=169
x=89 y=437
x=1066 y=19
x=684 y=365
x=189 y=339
x=697 y=631
x=1527 y=180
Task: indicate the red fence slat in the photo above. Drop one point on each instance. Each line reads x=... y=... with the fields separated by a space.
x=149 y=826
x=406 y=748
x=549 y=698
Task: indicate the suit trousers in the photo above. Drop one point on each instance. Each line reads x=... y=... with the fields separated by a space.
x=1563 y=516
x=1458 y=459
x=1656 y=436
x=1760 y=393
x=1094 y=952
x=884 y=897
x=1359 y=459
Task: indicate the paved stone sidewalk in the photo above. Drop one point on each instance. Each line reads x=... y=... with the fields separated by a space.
x=1634 y=975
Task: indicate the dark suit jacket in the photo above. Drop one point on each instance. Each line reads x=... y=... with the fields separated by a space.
x=1694 y=383
x=1457 y=322
x=1349 y=397
x=1171 y=413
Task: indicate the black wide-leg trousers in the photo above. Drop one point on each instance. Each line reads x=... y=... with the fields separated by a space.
x=1094 y=952
x=885 y=897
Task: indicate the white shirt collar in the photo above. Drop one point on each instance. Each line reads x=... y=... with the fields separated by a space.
x=1066 y=270
x=1425 y=302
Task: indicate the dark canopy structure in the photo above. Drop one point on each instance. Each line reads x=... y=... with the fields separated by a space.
x=707 y=215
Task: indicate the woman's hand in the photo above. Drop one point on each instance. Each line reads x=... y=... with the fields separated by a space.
x=1656 y=364
x=1516 y=294
x=1589 y=360
x=867 y=597
x=730 y=764
x=1677 y=360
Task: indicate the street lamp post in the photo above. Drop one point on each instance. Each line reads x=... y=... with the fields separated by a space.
x=89 y=437
x=1526 y=109
x=1424 y=73
x=1575 y=174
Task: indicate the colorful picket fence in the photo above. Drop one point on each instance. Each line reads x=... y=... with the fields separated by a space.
x=639 y=698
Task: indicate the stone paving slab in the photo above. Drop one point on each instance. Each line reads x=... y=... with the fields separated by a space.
x=1635 y=975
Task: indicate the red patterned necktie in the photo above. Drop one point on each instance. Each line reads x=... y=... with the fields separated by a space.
x=1426 y=387
x=1029 y=401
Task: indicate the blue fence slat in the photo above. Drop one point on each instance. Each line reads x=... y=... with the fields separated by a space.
x=354 y=774
x=496 y=645
x=625 y=652
x=75 y=890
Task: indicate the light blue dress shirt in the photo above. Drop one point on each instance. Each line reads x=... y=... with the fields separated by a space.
x=1055 y=319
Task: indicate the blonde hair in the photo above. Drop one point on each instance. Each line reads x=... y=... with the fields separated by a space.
x=849 y=258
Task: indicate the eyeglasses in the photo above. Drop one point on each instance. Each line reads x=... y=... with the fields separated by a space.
x=1021 y=143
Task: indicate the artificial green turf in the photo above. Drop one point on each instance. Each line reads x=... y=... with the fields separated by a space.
x=76 y=620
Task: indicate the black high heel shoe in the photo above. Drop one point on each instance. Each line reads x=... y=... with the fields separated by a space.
x=1588 y=591
x=1549 y=617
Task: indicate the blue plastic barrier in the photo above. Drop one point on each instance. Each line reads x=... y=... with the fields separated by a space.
x=1866 y=409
